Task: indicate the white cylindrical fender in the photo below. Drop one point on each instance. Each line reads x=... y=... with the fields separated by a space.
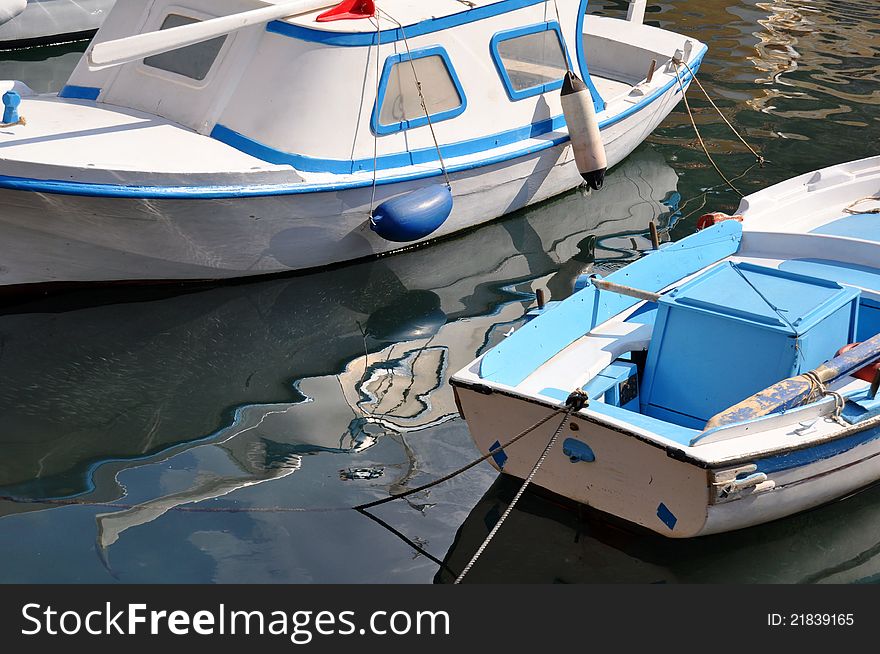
x=9 y=9
x=583 y=129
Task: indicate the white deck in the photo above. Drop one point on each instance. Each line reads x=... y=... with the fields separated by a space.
x=85 y=135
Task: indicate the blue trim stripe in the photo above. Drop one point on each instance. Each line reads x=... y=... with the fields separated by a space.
x=87 y=189
x=799 y=458
x=388 y=161
x=507 y=35
x=310 y=164
x=72 y=92
x=598 y=102
x=429 y=26
x=418 y=121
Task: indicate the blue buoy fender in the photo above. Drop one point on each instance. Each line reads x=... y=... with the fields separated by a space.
x=414 y=215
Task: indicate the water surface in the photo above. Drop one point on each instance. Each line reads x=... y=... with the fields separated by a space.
x=220 y=434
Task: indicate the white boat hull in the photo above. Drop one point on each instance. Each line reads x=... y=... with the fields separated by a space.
x=49 y=237
x=693 y=477
x=631 y=477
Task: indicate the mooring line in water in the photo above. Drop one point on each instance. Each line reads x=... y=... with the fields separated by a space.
x=575 y=402
x=455 y=473
x=758 y=156
x=281 y=509
x=700 y=136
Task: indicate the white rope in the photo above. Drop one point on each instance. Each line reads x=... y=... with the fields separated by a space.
x=512 y=504
x=723 y=117
x=817 y=384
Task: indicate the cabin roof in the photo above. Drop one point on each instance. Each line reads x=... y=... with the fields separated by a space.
x=407 y=12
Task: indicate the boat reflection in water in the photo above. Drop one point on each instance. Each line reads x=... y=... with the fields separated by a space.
x=546 y=539
x=219 y=389
x=44 y=69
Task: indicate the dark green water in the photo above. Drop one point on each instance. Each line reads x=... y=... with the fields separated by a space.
x=218 y=434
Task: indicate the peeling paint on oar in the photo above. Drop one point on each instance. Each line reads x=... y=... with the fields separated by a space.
x=799 y=390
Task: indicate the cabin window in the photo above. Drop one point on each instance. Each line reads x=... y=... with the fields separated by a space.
x=193 y=61
x=399 y=104
x=531 y=60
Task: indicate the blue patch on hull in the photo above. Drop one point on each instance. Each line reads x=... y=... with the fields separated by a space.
x=666 y=516
x=499 y=456
x=72 y=92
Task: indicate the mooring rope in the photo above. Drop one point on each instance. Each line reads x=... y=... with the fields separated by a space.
x=850 y=208
x=455 y=473
x=421 y=95
x=817 y=384
x=575 y=402
x=733 y=129
x=700 y=136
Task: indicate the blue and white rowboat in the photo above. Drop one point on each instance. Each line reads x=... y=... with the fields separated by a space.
x=720 y=400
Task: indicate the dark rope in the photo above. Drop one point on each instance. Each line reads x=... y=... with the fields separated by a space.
x=575 y=402
x=455 y=473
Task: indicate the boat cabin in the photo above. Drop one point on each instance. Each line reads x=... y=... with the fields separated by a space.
x=315 y=95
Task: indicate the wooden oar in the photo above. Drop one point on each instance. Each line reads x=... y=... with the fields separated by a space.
x=629 y=291
x=133 y=48
x=799 y=390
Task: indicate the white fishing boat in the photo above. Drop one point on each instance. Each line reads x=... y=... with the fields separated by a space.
x=205 y=140
x=27 y=23
x=721 y=393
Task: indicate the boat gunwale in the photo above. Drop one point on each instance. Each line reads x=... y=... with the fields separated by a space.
x=678 y=451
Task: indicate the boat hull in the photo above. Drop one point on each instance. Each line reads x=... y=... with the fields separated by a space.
x=656 y=487
x=76 y=238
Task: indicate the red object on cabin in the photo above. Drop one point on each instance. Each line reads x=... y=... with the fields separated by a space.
x=867 y=373
x=349 y=10
x=709 y=219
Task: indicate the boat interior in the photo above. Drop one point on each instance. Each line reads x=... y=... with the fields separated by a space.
x=774 y=309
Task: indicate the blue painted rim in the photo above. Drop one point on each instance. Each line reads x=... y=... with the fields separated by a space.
x=812 y=454
x=428 y=155
x=390 y=63
x=429 y=26
x=598 y=102
x=507 y=35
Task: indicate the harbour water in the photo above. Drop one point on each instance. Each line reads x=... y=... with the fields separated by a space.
x=221 y=434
